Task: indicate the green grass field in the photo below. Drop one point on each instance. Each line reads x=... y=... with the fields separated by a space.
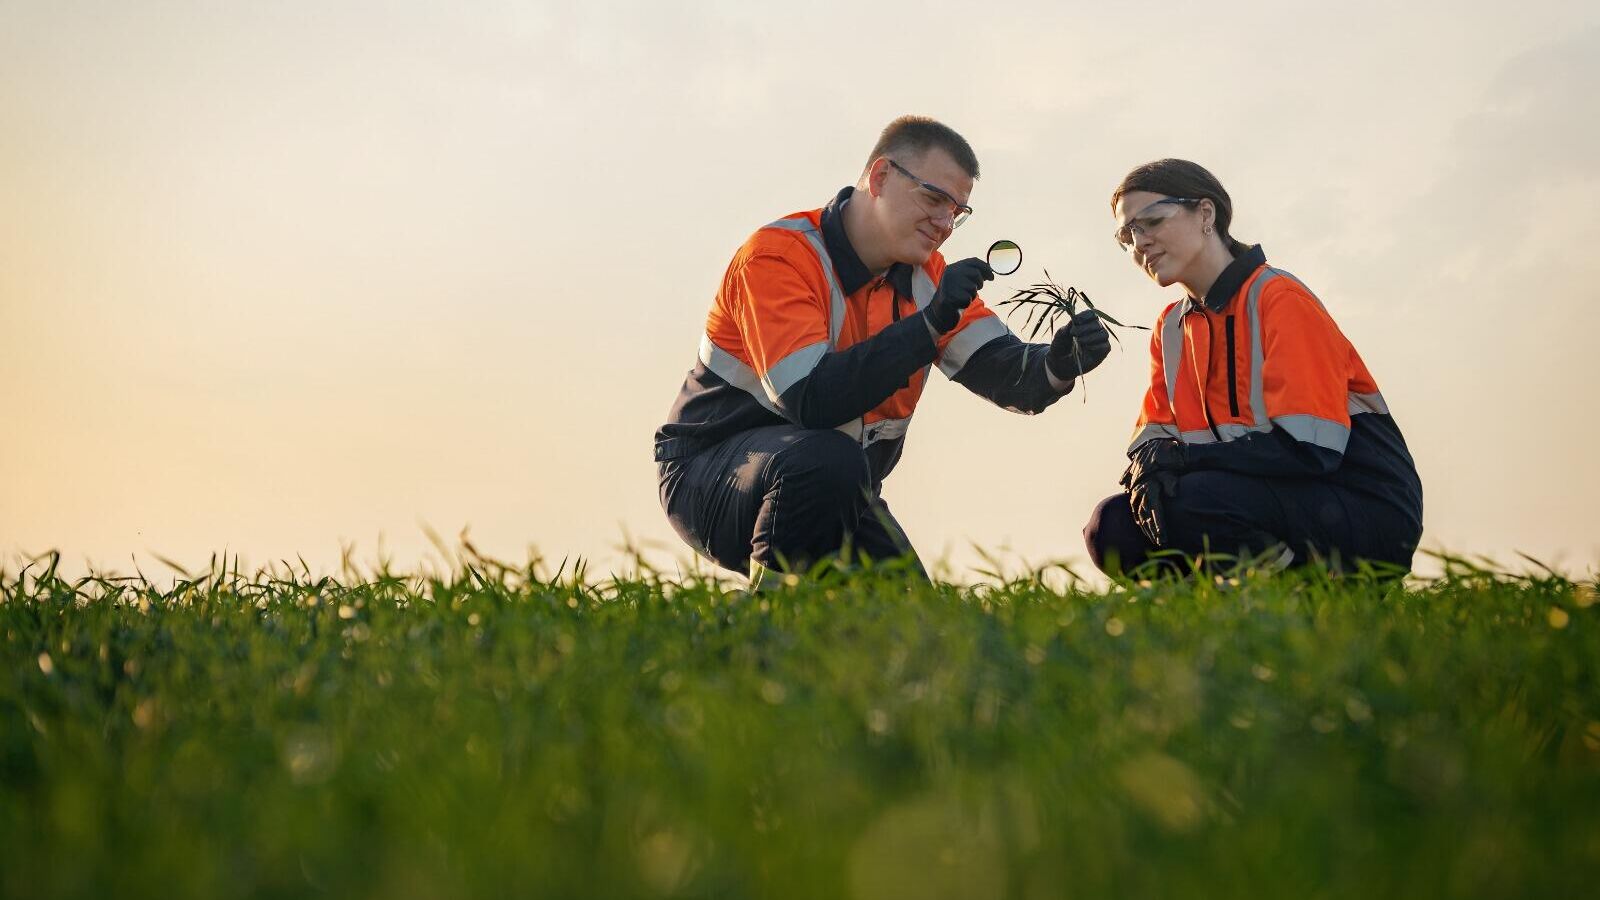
x=496 y=732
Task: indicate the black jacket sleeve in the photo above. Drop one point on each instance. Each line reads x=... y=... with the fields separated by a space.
x=1011 y=375
x=1272 y=453
x=847 y=383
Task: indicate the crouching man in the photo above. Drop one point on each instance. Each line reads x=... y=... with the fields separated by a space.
x=816 y=350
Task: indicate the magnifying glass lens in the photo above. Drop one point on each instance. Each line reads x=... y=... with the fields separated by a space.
x=1004 y=257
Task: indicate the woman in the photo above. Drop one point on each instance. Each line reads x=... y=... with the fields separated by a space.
x=1262 y=432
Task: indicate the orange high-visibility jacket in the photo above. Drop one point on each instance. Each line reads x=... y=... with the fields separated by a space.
x=801 y=332
x=1258 y=379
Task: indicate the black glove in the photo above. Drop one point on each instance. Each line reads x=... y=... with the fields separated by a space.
x=1157 y=455
x=957 y=287
x=1094 y=345
x=1152 y=476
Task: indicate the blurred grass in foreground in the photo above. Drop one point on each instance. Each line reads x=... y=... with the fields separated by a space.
x=492 y=731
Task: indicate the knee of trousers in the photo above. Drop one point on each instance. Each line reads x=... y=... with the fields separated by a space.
x=829 y=467
x=1095 y=531
x=1112 y=537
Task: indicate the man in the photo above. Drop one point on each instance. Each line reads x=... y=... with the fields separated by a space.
x=816 y=350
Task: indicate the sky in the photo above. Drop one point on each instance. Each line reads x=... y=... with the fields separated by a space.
x=295 y=279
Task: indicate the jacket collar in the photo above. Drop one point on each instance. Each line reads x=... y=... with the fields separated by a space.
x=1232 y=279
x=853 y=273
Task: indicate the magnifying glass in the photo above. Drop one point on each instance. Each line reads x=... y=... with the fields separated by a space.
x=1004 y=257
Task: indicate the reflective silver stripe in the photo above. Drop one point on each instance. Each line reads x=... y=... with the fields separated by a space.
x=967 y=341
x=1171 y=361
x=1258 y=384
x=786 y=372
x=1151 y=432
x=1234 y=432
x=885 y=430
x=1312 y=430
x=1309 y=292
x=1258 y=405
x=1172 y=353
x=835 y=291
x=881 y=430
x=783 y=374
x=1304 y=428
x=1368 y=403
x=922 y=287
x=1200 y=436
x=730 y=369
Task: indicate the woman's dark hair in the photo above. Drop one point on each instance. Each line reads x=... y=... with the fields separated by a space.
x=1182 y=178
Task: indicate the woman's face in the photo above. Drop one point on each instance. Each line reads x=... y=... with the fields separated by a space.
x=1164 y=237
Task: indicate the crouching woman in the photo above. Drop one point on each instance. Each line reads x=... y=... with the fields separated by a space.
x=1263 y=432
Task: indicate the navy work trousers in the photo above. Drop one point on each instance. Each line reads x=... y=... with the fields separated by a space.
x=1230 y=513
x=782 y=495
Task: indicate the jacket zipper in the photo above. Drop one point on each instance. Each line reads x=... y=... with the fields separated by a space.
x=1233 y=379
x=894 y=296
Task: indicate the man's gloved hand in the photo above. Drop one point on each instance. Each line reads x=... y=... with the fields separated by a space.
x=957 y=287
x=1094 y=345
x=1151 y=478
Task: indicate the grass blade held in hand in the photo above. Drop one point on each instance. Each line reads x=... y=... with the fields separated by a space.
x=1062 y=303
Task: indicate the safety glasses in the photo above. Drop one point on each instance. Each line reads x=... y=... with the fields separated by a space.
x=936 y=200
x=1144 y=224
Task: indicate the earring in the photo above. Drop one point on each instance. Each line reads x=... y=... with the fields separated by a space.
x=1208 y=229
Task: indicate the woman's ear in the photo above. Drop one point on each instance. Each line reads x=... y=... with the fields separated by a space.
x=1208 y=214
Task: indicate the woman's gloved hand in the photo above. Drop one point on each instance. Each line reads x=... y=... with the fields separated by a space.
x=1150 y=479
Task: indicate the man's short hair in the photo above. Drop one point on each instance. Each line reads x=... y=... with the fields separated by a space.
x=919 y=134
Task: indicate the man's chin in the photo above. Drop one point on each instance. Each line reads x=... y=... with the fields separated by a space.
x=916 y=255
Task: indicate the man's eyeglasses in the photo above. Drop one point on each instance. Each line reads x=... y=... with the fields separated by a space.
x=1142 y=224
x=936 y=200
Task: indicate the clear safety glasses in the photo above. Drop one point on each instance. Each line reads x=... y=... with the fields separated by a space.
x=1143 y=223
x=936 y=200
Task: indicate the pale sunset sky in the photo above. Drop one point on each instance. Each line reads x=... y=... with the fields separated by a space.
x=277 y=278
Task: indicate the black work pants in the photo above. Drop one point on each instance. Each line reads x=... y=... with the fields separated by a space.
x=1230 y=513
x=782 y=495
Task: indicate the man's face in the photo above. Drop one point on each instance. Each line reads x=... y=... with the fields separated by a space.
x=917 y=202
